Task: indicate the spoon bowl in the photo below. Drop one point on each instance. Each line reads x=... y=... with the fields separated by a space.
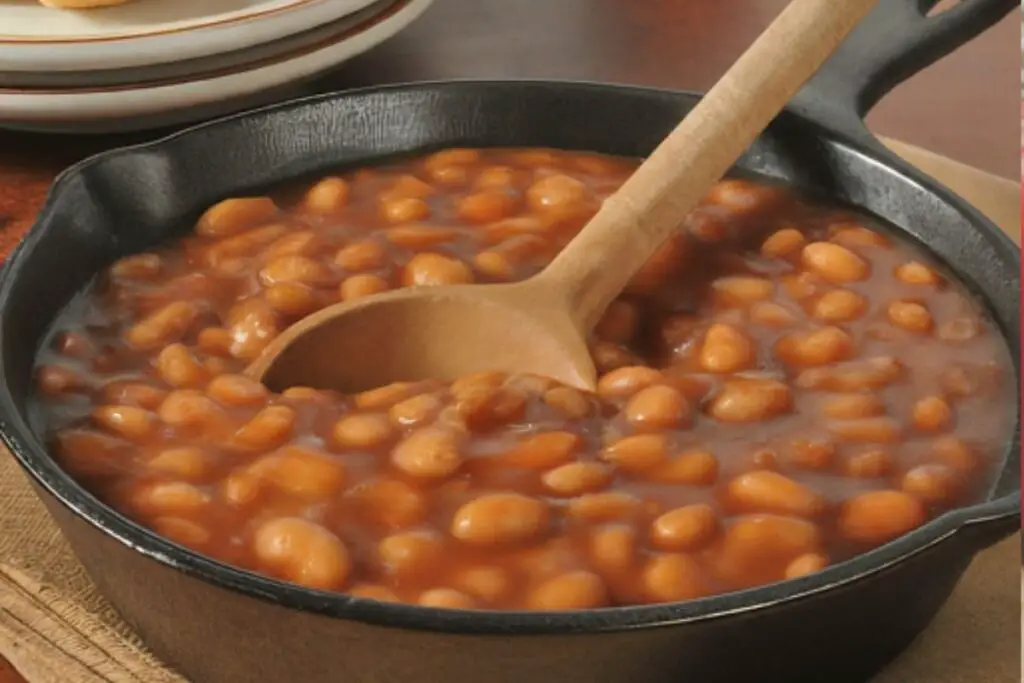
x=429 y=333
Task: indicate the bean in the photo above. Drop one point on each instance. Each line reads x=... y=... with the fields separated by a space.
x=750 y=400
x=959 y=330
x=782 y=243
x=241 y=488
x=685 y=529
x=252 y=324
x=690 y=468
x=767 y=491
x=811 y=563
x=489 y=584
x=407 y=185
x=811 y=454
x=172 y=498
x=953 y=452
x=611 y=506
x=137 y=267
x=415 y=410
x=188 y=408
x=495 y=177
x=839 y=306
x=482 y=408
x=834 y=263
x=876 y=517
x=576 y=478
x=613 y=548
x=867 y=430
x=726 y=349
x=303 y=552
x=932 y=484
x=851 y=406
x=236 y=390
x=419 y=237
x=391 y=503
x=429 y=270
x=932 y=414
x=446 y=598
x=559 y=194
x=361 y=255
x=410 y=553
x=658 y=407
x=429 y=452
x=870 y=464
x=543 y=450
x=485 y=206
x=225 y=254
x=293 y=269
x=627 y=381
x=267 y=429
x=571 y=403
x=771 y=314
x=56 y=380
x=232 y=216
x=162 y=327
x=176 y=365
x=500 y=519
x=817 y=347
x=290 y=298
x=569 y=591
x=360 y=286
x=362 y=431
x=184 y=531
x=300 y=243
x=328 y=196
x=301 y=471
x=385 y=396
x=741 y=290
x=917 y=273
x=609 y=357
x=130 y=422
x=187 y=462
x=637 y=453
x=858 y=236
x=494 y=265
x=404 y=209
x=673 y=578
x=910 y=315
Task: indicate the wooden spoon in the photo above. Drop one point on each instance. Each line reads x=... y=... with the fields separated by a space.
x=541 y=325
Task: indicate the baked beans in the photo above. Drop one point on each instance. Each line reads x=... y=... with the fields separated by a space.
x=782 y=387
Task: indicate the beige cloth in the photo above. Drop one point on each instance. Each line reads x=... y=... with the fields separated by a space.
x=55 y=627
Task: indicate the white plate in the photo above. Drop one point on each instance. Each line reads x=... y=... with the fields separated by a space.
x=190 y=68
x=127 y=108
x=146 y=32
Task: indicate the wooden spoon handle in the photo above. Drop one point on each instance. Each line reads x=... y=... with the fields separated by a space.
x=652 y=204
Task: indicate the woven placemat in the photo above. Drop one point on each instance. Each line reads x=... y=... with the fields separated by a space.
x=56 y=628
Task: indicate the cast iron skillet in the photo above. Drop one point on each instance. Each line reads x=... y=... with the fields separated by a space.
x=220 y=625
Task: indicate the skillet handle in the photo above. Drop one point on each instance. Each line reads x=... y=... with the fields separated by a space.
x=895 y=41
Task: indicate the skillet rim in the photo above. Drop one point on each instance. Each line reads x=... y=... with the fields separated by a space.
x=33 y=456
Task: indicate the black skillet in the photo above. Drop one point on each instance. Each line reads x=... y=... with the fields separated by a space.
x=220 y=625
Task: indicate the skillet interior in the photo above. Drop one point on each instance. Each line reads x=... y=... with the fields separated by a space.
x=130 y=200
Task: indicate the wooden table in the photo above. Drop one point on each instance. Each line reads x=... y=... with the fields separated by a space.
x=965 y=107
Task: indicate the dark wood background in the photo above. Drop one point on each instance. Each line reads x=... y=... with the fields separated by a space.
x=966 y=107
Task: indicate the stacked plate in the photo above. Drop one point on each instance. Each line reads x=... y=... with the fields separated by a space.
x=153 y=63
